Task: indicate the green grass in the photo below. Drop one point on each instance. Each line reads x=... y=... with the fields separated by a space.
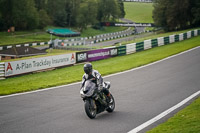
x=104 y=30
x=21 y=37
x=139 y=12
x=185 y=121
x=73 y=74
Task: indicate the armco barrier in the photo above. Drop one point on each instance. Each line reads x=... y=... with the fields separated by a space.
x=189 y=34
x=192 y=33
x=21 y=45
x=171 y=38
x=2 y=70
x=180 y=37
x=195 y=32
x=177 y=38
x=166 y=40
x=154 y=43
x=184 y=36
x=121 y=50
x=147 y=44
x=131 y=48
x=161 y=41
x=139 y=46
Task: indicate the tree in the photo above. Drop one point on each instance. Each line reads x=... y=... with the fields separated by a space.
x=72 y=9
x=21 y=13
x=176 y=14
x=56 y=11
x=87 y=14
x=31 y=14
x=40 y=4
x=25 y=15
x=44 y=19
x=121 y=7
x=1 y=18
x=195 y=12
x=108 y=10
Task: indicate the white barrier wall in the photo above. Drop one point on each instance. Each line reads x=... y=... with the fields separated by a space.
x=147 y=44
x=160 y=41
x=181 y=37
x=131 y=48
x=171 y=38
x=195 y=32
x=189 y=33
x=36 y=64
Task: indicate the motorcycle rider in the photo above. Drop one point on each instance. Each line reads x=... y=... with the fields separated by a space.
x=95 y=77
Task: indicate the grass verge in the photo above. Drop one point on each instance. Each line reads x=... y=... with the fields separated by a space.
x=139 y=12
x=185 y=121
x=74 y=73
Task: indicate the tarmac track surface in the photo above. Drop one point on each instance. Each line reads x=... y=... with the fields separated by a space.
x=140 y=95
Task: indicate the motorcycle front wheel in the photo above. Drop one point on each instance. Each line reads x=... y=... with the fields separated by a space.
x=111 y=104
x=89 y=109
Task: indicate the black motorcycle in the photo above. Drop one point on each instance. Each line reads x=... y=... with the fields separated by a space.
x=96 y=101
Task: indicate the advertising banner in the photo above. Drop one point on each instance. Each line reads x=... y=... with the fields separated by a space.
x=128 y=24
x=94 y=55
x=98 y=54
x=81 y=57
x=36 y=64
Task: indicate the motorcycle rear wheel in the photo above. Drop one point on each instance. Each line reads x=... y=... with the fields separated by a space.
x=90 y=110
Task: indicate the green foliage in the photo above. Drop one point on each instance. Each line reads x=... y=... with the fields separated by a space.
x=44 y=19
x=27 y=14
x=40 y=4
x=56 y=10
x=121 y=7
x=195 y=11
x=108 y=10
x=21 y=14
x=87 y=14
x=176 y=14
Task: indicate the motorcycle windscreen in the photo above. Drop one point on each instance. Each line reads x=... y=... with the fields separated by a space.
x=89 y=86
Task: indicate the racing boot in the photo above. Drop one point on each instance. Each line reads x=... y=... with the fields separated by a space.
x=108 y=99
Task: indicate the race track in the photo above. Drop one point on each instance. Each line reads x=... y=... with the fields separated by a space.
x=140 y=95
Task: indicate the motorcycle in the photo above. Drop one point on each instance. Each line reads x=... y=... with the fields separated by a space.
x=96 y=101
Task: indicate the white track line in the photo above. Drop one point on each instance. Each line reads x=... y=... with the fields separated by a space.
x=18 y=94
x=163 y=114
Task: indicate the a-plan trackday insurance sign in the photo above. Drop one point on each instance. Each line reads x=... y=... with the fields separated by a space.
x=31 y=65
